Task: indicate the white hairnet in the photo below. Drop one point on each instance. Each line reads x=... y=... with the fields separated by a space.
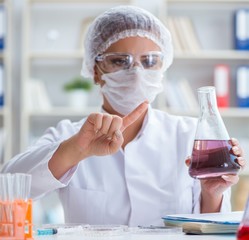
x=121 y=22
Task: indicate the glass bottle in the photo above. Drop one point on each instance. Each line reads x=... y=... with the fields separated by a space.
x=212 y=155
x=243 y=230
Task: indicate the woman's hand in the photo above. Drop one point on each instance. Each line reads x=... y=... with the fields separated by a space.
x=101 y=134
x=213 y=188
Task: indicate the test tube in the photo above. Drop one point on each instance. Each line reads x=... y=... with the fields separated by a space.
x=13 y=187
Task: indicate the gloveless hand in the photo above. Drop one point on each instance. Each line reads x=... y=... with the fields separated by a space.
x=216 y=186
x=101 y=134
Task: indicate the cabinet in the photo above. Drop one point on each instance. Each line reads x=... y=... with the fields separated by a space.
x=5 y=61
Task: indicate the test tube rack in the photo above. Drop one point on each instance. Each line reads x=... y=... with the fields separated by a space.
x=16 y=220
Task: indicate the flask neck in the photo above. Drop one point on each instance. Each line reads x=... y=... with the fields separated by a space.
x=207 y=101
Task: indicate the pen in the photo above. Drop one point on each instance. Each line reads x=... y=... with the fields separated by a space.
x=152 y=227
x=58 y=230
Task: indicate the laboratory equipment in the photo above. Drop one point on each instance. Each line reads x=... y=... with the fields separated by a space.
x=15 y=207
x=243 y=230
x=85 y=230
x=212 y=151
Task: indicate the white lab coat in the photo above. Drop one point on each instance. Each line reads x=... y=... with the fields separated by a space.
x=135 y=186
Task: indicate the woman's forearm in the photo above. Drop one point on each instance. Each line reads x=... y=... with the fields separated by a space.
x=210 y=203
x=65 y=157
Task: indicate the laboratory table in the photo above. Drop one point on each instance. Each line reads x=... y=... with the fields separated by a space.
x=177 y=236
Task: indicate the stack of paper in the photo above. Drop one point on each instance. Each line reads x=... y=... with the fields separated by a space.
x=206 y=223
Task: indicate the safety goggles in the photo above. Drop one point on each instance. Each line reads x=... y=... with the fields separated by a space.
x=113 y=62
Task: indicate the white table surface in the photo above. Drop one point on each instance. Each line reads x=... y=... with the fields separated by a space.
x=177 y=236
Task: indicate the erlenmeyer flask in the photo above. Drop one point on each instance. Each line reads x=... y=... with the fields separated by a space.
x=243 y=230
x=212 y=155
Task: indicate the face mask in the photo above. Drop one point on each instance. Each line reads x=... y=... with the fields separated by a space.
x=126 y=89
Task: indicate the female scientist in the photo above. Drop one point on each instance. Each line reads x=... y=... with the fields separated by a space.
x=125 y=164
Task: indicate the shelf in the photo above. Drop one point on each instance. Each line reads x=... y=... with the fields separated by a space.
x=64 y=112
x=126 y=1
x=78 y=1
x=204 y=54
x=207 y=1
x=235 y=112
x=214 y=54
x=6 y=111
x=230 y=112
x=67 y=111
x=57 y=55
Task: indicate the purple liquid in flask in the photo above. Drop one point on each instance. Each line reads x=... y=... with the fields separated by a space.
x=212 y=158
x=212 y=154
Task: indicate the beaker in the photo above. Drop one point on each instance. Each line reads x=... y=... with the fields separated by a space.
x=212 y=151
x=243 y=230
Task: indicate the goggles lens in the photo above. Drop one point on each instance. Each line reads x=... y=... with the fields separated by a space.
x=113 y=62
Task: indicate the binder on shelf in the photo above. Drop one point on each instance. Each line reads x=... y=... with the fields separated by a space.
x=242 y=86
x=187 y=95
x=183 y=34
x=171 y=96
x=2 y=144
x=179 y=25
x=2 y=27
x=37 y=97
x=175 y=38
x=188 y=34
x=222 y=85
x=1 y=85
x=241 y=29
